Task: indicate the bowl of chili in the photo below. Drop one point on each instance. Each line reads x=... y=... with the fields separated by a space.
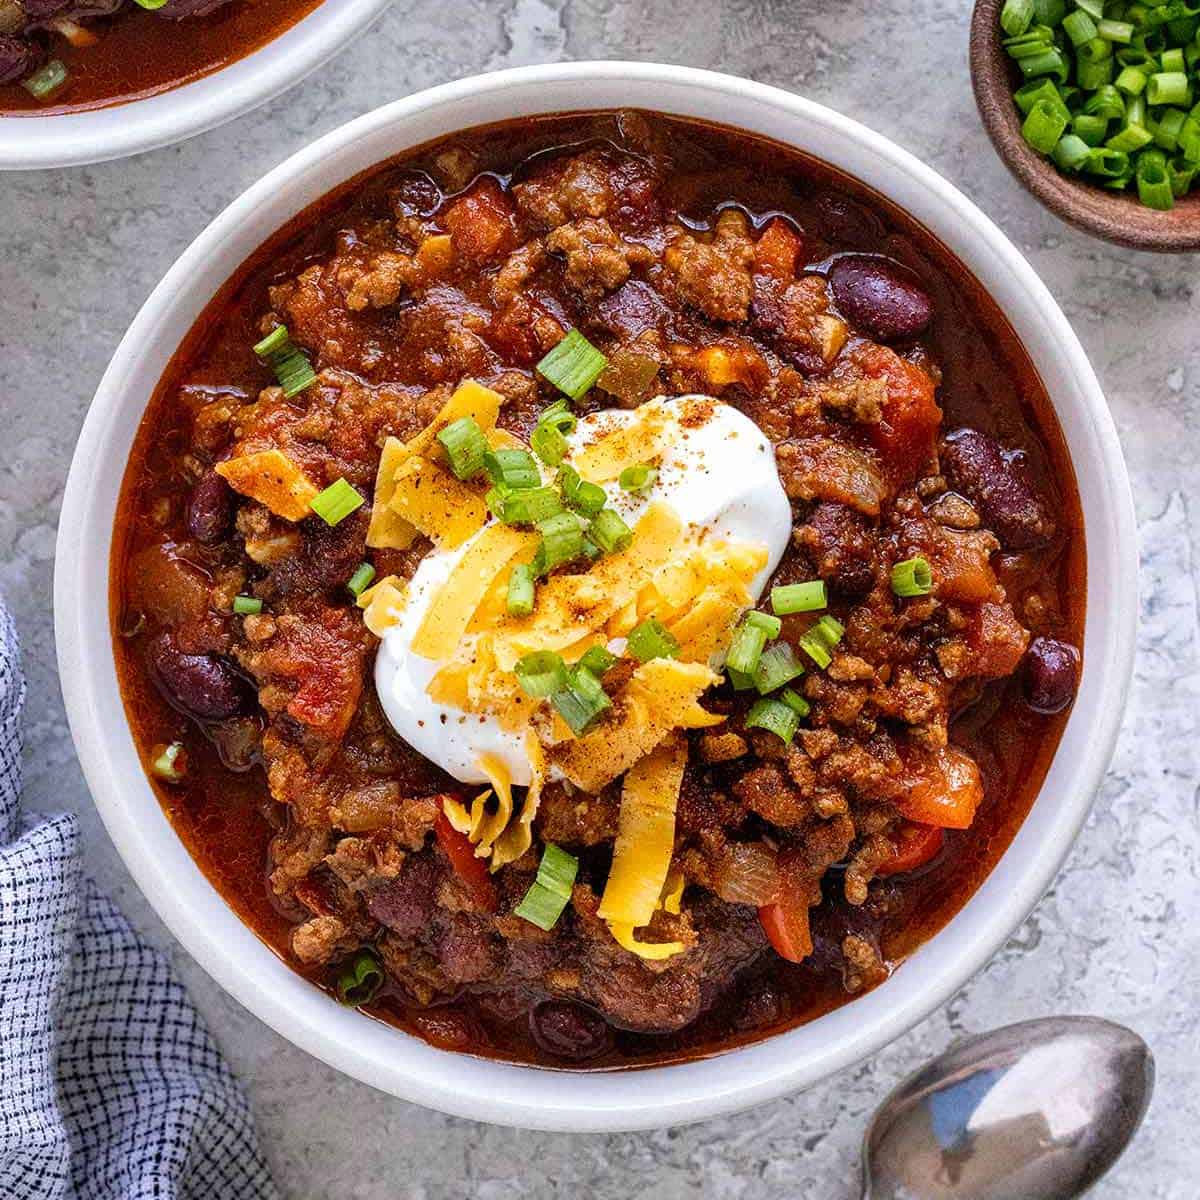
x=135 y=78
x=666 y=1091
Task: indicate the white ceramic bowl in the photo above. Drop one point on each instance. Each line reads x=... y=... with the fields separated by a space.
x=71 y=139
x=524 y=1096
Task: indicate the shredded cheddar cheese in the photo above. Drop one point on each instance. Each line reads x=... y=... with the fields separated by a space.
x=383 y=604
x=271 y=478
x=645 y=835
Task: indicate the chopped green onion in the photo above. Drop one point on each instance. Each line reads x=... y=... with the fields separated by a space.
x=293 y=371
x=581 y=701
x=1079 y=27
x=1029 y=94
x=775 y=717
x=360 y=979
x=559 y=416
x=465 y=447
x=652 y=639
x=771 y=626
x=777 y=665
x=638 y=479
x=151 y=5
x=562 y=539
x=549 y=437
x=550 y=892
x=46 y=79
x=1189 y=140
x=360 y=580
x=818 y=641
x=796 y=702
x=1047 y=62
x=1168 y=128
x=513 y=469
x=526 y=506
x=1094 y=65
x=791 y=598
x=1181 y=178
x=740 y=680
x=746 y=649
x=337 y=502
x=1049 y=12
x=1016 y=16
x=276 y=342
x=584 y=497
x=548 y=444
x=1106 y=102
x=1153 y=181
x=1115 y=31
x=1131 y=81
x=541 y=674
x=1168 y=87
x=1129 y=139
x=1044 y=126
x=1106 y=162
x=573 y=365
x=912 y=577
x=610 y=532
x=170 y=763
x=247 y=606
x=598 y=660
x=519 y=600
x=1172 y=61
x=1090 y=130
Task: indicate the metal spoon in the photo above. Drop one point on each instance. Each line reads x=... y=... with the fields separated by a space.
x=1034 y=1111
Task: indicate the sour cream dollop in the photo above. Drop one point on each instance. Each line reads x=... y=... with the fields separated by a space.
x=718 y=473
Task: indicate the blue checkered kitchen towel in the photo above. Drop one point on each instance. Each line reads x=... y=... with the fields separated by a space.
x=111 y=1088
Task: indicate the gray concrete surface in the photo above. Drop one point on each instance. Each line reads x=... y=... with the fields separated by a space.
x=80 y=250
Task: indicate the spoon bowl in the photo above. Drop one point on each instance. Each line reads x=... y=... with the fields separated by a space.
x=1034 y=1111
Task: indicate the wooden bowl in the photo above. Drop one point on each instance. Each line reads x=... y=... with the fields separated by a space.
x=1115 y=216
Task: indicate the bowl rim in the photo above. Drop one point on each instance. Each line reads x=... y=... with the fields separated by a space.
x=518 y=1095
x=98 y=135
x=1116 y=217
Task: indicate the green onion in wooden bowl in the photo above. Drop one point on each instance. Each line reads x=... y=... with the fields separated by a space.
x=1111 y=90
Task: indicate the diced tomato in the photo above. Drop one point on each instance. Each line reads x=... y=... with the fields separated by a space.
x=904 y=435
x=962 y=565
x=945 y=789
x=511 y=332
x=777 y=251
x=481 y=223
x=471 y=870
x=915 y=845
x=998 y=639
x=786 y=926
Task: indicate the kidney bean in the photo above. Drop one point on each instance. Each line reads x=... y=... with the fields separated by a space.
x=569 y=1030
x=18 y=57
x=880 y=297
x=210 y=510
x=977 y=466
x=202 y=685
x=1051 y=674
